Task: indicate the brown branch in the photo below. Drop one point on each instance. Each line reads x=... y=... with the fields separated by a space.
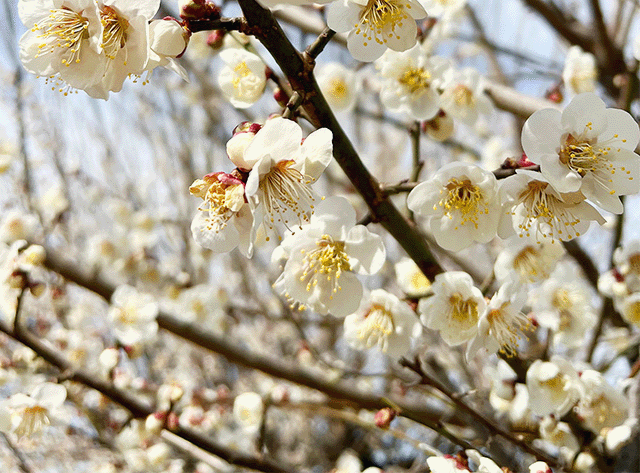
x=425 y=379
x=568 y=28
x=338 y=391
x=138 y=408
x=263 y=25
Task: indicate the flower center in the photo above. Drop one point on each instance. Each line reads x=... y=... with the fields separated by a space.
x=505 y=324
x=114 y=35
x=419 y=281
x=287 y=191
x=582 y=157
x=326 y=262
x=338 y=89
x=377 y=326
x=381 y=18
x=463 y=96
x=561 y=300
x=528 y=264
x=415 y=80
x=463 y=312
x=466 y=199
x=219 y=213
x=632 y=313
x=63 y=28
x=540 y=206
x=634 y=263
x=33 y=419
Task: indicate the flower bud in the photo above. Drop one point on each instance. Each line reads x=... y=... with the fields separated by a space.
x=236 y=147
x=384 y=417
x=440 y=128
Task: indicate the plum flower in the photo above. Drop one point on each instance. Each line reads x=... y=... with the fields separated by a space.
x=339 y=86
x=375 y=25
x=526 y=261
x=462 y=204
x=410 y=82
x=579 y=73
x=30 y=413
x=500 y=325
x=124 y=42
x=382 y=321
x=454 y=308
x=601 y=406
x=283 y=168
x=533 y=208
x=463 y=95
x=223 y=220
x=553 y=386
x=133 y=315
x=243 y=78
x=587 y=148
x=63 y=41
x=324 y=257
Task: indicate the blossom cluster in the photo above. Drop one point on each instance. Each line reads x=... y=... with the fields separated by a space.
x=96 y=45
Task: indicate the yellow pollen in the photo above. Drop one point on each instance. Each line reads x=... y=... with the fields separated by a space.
x=465 y=199
x=377 y=326
x=632 y=313
x=541 y=207
x=287 y=191
x=416 y=81
x=463 y=96
x=65 y=29
x=505 y=325
x=114 y=35
x=634 y=263
x=463 y=312
x=420 y=281
x=325 y=264
x=528 y=265
x=338 y=88
x=380 y=18
x=242 y=71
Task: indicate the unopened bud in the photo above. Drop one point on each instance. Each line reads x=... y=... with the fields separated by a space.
x=384 y=417
x=37 y=288
x=172 y=421
x=35 y=255
x=236 y=147
x=155 y=422
x=109 y=358
x=440 y=127
x=281 y=97
x=199 y=10
x=215 y=39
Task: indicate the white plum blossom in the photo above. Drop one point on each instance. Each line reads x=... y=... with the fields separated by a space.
x=627 y=261
x=411 y=279
x=533 y=208
x=375 y=25
x=539 y=467
x=382 y=321
x=63 y=41
x=563 y=305
x=243 y=77
x=18 y=225
x=410 y=82
x=223 y=221
x=324 y=256
x=526 y=261
x=587 y=148
x=462 y=204
x=483 y=464
x=248 y=409
x=133 y=315
x=629 y=308
x=463 y=95
x=446 y=465
x=554 y=386
x=580 y=71
x=560 y=435
x=339 y=85
x=125 y=42
x=30 y=413
x=455 y=307
x=500 y=325
x=283 y=168
x=601 y=406
x=168 y=39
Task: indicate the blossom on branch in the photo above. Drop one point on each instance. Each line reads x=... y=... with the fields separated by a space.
x=243 y=78
x=375 y=25
x=462 y=205
x=587 y=148
x=324 y=257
